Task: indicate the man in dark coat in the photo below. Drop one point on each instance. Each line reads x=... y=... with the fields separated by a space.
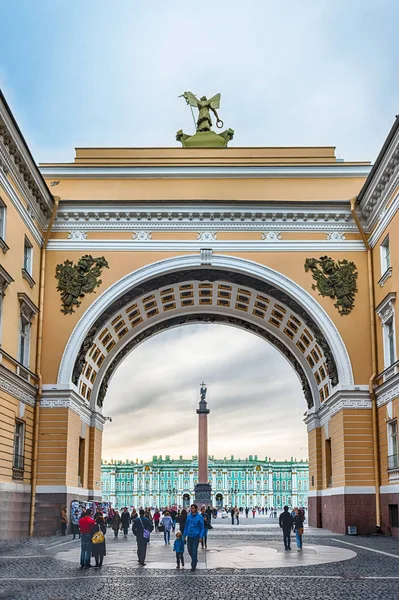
x=125 y=521
x=140 y=525
x=286 y=522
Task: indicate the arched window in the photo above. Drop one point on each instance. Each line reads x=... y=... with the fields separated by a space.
x=283 y=485
x=277 y=485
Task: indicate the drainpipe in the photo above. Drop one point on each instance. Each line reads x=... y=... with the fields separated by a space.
x=374 y=364
x=39 y=344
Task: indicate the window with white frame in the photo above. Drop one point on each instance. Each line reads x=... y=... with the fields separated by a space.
x=386 y=312
x=24 y=341
x=385 y=255
x=19 y=438
x=393 y=444
x=28 y=253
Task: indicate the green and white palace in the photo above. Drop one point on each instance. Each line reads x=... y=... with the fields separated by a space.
x=240 y=482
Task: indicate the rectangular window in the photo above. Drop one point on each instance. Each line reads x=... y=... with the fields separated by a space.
x=385 y=255
x=389 y=342
x=2 y=220
x=18 y=456
x=328 y=463
x=393 y=515
x=81 y=463
x=393 y=445
x=24 y=341
x=28 y=251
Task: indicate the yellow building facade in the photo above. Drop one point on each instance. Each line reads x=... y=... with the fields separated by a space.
x=136 y=240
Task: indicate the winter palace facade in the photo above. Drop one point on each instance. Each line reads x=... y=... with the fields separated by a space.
x=239 y=482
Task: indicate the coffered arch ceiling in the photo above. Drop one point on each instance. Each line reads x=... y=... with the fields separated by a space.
x=212 y=294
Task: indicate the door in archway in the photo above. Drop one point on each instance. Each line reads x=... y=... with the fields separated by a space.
x=219 y=501
x=186 y=501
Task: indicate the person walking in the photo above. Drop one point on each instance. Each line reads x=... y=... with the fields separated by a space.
x=204 y=515
x=237 y=515
x=246 y=512
x=298 y=526
x=64 y=521
x=194 y=532
x=116 y=522
x=173 y=515
x=98 y=550
x=125 y=521
x=75 y=524
x=156 y=519
x=253 y=512
x=167 y=523
x=286 y=523
x=183 y=519
x=142 y=528
x=232 y=515
x=178 y=547
x=86 y=524
x=209 y=513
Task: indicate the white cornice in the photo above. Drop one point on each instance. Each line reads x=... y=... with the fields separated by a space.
x=382 y=184
x=386 y=217
x=208 y=172
x=216 y=245
x=23 y=166
x=22 y=211
x=202 y=216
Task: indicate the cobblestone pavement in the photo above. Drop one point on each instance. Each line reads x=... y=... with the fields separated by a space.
x=39 y=569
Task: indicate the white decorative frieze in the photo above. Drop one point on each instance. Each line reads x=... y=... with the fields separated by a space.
x=207 y=236
x=271 y=236
x=141 y=236
x=77 y=234
x=13 y=385
x=335 y=236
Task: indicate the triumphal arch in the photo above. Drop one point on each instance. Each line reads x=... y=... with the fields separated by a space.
x=273 y=240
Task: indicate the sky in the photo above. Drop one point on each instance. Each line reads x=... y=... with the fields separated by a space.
x=255 y=398
x=100 y=73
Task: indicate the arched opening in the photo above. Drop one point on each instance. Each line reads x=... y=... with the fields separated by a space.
x=188 y=290
x=219 y=501
x=186 y=501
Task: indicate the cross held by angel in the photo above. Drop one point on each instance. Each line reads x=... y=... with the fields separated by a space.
x=204 y=106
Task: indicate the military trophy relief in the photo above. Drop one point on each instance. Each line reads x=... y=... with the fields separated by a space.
x=335 y=279
x=204 y=136
x=74 y=281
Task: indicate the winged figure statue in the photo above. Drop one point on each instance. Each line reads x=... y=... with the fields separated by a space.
x=204 y=121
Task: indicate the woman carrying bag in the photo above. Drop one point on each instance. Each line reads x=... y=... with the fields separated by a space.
x=98 y=550
x=298 y=528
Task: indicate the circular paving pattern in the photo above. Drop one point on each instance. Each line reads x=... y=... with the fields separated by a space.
x=265 y=555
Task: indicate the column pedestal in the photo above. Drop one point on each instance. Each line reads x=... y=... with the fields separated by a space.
x=203 y=494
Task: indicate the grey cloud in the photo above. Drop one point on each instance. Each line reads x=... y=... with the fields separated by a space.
x=255 y=398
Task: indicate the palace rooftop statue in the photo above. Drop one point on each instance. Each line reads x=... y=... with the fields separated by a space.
x=204 y=136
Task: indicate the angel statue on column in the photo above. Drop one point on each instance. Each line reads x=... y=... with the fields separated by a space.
x=204 y=122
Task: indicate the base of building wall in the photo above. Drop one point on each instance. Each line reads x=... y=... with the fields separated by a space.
x=337 y=512
x=15 y=508
x=48 y=511
x=386 y=527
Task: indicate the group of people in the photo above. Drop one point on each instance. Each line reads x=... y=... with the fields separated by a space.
x=289 y=522
x=91 y=529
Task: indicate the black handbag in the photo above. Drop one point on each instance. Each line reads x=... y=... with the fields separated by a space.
x=161 y=527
